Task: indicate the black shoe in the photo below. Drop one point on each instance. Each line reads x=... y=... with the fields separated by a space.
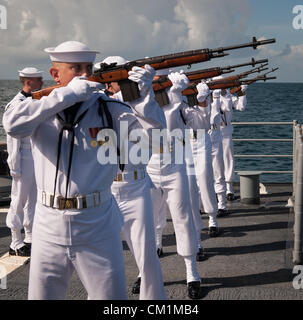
x=28 y=245
x=230 y=197
x=193 y=289
x=159 y=252
x=22 y=252
x=213 y=231
x=222 y=213
x=202 y=212
x=201 y=255
x=136 y=286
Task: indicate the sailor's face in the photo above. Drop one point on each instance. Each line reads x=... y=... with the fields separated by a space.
x=64 y=72
x=35 y=83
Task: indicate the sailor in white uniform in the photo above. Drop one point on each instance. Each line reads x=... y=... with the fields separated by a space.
x=224 y=102
x=202 y=152
x=20 y=161
x=188 y=115
x=77 y=220
x=131 y=189
x=167 y=170
x=239 y=103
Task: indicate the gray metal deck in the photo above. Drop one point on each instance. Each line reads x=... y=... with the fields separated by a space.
x=251 y=259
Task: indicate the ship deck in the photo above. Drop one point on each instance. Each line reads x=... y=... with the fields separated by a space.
x=250 y=260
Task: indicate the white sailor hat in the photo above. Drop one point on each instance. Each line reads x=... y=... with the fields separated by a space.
x=71 y=51
x=30 y=72
x=111 y=59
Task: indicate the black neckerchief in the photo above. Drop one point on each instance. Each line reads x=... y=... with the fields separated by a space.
x=182 y=117
x=26 y=94
x=223 y=117
x=104 y=111
x=69 y=125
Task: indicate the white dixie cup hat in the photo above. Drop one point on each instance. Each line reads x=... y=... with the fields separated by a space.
x=111 y=59
x=71 y=51
x=115 y=59
x=30 y=72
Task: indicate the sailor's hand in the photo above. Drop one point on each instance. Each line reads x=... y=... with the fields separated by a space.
x=143 y=76
x=244 y=87
x=179 y=81
x=84 y=88
x=217 y=93
x=203 y=91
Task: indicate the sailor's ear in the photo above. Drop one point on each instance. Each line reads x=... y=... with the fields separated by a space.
x=55 y=74
x=27 y=82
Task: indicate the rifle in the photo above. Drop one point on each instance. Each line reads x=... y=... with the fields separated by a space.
x=238 y=89
x=191 y=92
x=163 y=82
x=113 y=73
x=245 y=74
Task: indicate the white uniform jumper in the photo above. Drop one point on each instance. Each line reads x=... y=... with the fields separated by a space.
x=219 y=102
x=87 y=236
x=186 y=114
x=131 y=189
x=24 y=191
x=171 y=186
x=202 y=152
x=239 y=103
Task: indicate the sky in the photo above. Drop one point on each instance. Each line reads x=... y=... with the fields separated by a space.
x=135 y=29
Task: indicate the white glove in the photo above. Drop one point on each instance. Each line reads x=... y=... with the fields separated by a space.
x=83 y=88
x=217 y=93
x=203 y=91
x=143 y=76
x=15 y=174
x=244 y=87
x=179 y=81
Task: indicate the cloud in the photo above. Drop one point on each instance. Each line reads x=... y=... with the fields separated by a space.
x=213 y=22
x=286 y=51
x=130 y=28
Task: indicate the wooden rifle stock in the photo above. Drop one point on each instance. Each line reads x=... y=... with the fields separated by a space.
x=46 y=91
x=164 y=82
x=191 y=92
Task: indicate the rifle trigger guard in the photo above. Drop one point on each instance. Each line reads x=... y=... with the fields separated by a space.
x=188 y=66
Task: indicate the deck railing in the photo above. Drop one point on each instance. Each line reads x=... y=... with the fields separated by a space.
x=297 y=172
x=253 y=123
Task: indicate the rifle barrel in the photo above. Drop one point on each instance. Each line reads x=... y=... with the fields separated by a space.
x=255 y=43
x=258 y=78
x=253 y=62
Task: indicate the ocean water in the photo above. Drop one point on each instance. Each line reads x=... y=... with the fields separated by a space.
x=265 y=102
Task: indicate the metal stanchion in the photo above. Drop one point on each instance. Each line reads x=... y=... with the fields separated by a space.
x=298 y=226
x=294 y=161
